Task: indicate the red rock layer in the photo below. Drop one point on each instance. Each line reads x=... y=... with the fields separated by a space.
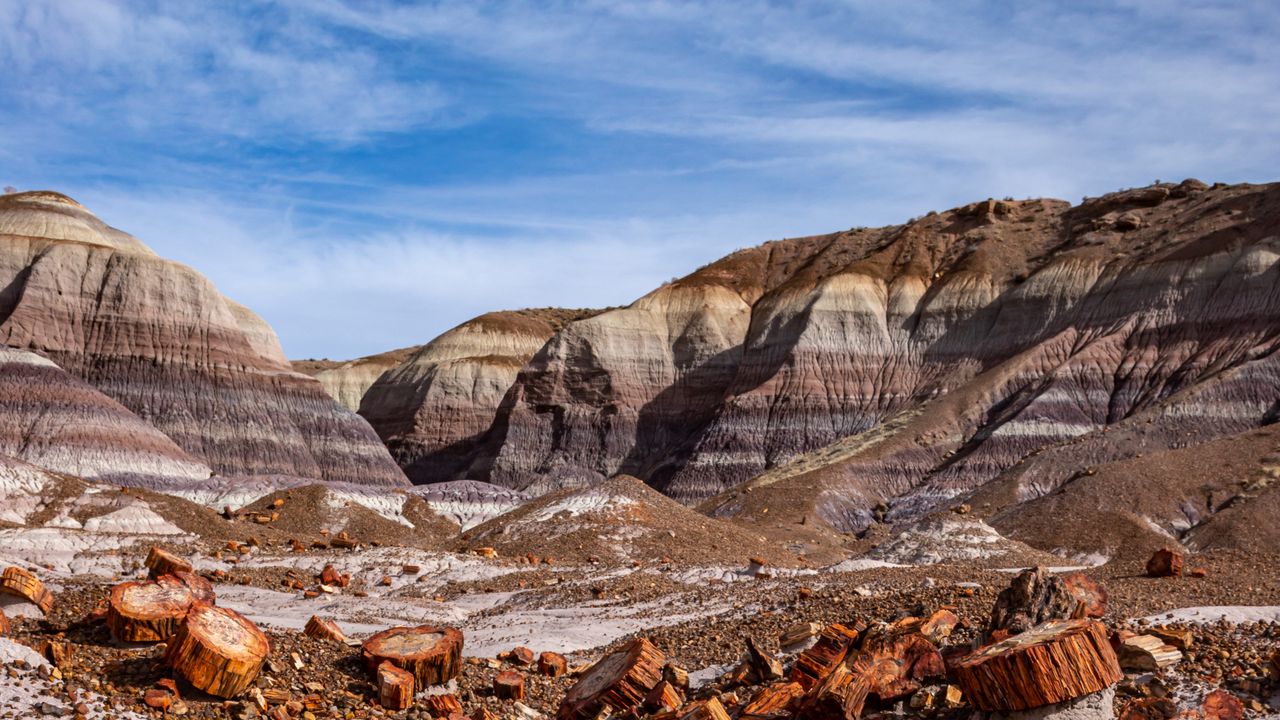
x=159 y=339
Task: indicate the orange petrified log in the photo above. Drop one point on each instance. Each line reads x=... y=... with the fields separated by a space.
x=19 y=582
x=321 y=628
x=148 y=611
x=619 y=681
x=772 y=701
x=395 y=687
x=218 y=650
x=160 y=562
x=432 y=654
x=552 y=664
x=840 y=696
x=509 y=685
x=815 y=663
x=710 y=709
x=1050 y=663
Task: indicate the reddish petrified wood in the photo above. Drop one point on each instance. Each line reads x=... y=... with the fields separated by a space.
x=664 y=697
x=840 y=696
x=432 y=654
x=895 y=665
x=444 y=705
x=324 y=629
x=1090 y=596
x=1166 y=562
x=218 y=650
x=552 y=664
x=160 y=562
x=509 y=685
x=201 y=589
x=1222 y=705
x=1050 y=663
x=19 y=582
x=709 y=709
x=772 y=701
x=619 y=681
x=829 y=651
x=148 y=611
x=395 y=687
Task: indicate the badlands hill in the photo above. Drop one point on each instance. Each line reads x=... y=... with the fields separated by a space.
x=124 y=364
x=882 y=374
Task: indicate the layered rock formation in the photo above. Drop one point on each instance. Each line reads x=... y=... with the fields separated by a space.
x=158 y=338
x=435 y=409
x=902 y=366
x=348 y=381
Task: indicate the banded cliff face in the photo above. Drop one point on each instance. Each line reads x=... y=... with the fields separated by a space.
x=434 y=410
x=348 y=381
x=908 y=364
x=157 y=338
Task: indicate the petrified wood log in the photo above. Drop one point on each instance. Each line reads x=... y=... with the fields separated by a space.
x=218 y=650
x=519 y=655
x=772 y=701
x=443 y=705
x=664 y=697
x=318 y=627
x=1165 y=562
x=619 y=681
x=160 y=562
x=766 y=667
x=148 y=611
x=552 y=664
x=1221 y=705
x=19 y=582
x=1050 y=663
x=813 y=664
x=896 y=664
x=201 y=589
x=432 y=654
x=5 y=625
x=840 y=696
x=1146 y=653
x=395 y=687
x=1037 y=596
x=509 y=685
x=710 y=709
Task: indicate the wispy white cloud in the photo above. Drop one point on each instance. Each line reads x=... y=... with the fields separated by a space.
x=410 y=165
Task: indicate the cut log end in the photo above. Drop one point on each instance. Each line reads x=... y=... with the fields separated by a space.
x=395 y=687
x=552 y=664
x=201 y=589
x=160 y=562
x=1048 y=664
x=432 y=654
x=218 y=650
x=147 y=611
x=509 y=685
x=619 y=681
x=19 y=582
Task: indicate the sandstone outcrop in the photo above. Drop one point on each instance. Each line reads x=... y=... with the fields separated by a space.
x=160 y=340
x=435 y=409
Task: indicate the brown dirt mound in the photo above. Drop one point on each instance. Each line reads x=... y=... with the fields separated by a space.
x=308 y=510
x=623 y=519
x=1219 y=494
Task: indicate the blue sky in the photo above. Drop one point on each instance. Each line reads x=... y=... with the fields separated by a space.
x=366 y=174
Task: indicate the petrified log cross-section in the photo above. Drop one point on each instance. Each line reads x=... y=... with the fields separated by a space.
x=895 y=664
x=148 y=611
x=201 y=589
x=19 y=582
x=160 y=562
x=432 y=654
x=1050 y=663
x=218 y=650
x=395 y=687
x=508 y=685
x=619 y=681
